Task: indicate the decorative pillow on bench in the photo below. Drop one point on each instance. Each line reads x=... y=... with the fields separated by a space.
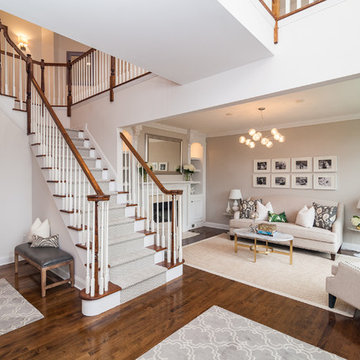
x=52 y=241
x=277 y=217
x=325 y=216
x=248 y=207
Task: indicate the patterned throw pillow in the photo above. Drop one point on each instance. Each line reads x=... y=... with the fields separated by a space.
x=325 y=216
x=277 y=217
x=248 y=207
x=52 y=241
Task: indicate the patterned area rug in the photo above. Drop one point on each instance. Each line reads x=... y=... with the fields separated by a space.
x=303 y=281
x=15 y=310
x=221 y=334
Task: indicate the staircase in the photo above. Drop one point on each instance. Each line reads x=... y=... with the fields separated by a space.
x=126 y=244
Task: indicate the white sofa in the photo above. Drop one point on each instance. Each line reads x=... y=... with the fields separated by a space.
x=307 y=238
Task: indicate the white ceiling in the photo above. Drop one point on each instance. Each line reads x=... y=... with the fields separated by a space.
x=328 y=103
x=180 y=40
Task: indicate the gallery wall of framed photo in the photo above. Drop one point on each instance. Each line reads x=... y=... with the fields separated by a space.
x=305 y=173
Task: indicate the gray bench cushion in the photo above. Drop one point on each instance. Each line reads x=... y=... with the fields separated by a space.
x=43 y=256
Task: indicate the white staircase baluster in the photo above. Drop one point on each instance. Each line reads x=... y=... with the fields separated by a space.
x=13 y=73
x=147 y=214
x=101 y=248
x=163 y=221
x=71 y=183
x=287 y=6
x=92 y=287
x=180 y=229
x=6 y=69
x=87 y=287
x=131 y=200
x=83 y=203
x=152 y=220
x=142 y=193
x=20 y=84
x=133 y=178
x=175 y=227
x=138 y=177
x=106 y=247
x=157 y=218
x=67 y=206
x=75 y=196
x=298 y=4
x=169 y=231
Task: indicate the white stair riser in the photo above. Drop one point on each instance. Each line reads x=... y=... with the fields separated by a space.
x=139 y=225
x=75 y=133
x=116 y=214
x=132 y=245
x=142 y=288
x=121 y=230
x=130 y=211
x=87 y=152
x=149 y=240
x=122 y=199
x=159 y=256
x=174 y=273
x=123 y=269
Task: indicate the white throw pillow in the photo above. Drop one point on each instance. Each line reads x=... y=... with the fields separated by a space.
x=306 y=217
x=43 y=230
x=263 y=210
x=34 y=226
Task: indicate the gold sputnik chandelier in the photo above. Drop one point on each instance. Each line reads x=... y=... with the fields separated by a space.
x=256 y=136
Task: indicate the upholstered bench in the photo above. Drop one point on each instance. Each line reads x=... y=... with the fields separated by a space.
x=45 y=258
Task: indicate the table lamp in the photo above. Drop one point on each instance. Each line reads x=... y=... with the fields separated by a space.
x=235 y=194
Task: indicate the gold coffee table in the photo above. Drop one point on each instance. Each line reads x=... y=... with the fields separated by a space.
x=264 y=249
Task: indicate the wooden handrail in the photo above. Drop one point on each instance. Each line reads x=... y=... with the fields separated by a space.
x=7 y=37
x=148 y=170
x=71 y=145
x=86 y=53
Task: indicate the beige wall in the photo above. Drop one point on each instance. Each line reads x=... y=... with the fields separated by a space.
x=43 y=43
x=230 y=165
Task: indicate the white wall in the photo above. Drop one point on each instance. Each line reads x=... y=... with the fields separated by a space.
x=16 y=182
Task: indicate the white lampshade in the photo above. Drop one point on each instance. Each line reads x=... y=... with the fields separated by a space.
x=235 y=194
x=358 y=205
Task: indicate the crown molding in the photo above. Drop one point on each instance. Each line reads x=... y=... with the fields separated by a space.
x=289 y=125
x=171 y=128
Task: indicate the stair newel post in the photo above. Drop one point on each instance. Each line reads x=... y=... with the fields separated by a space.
x=112 y=77
x=276 y=13
x=96 y=241
x=69 y=82
x=29 y=70
x=42 y=67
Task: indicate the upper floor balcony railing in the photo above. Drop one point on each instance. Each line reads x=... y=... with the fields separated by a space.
x=280 y=9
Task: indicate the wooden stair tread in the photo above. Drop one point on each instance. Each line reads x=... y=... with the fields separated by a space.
x=156 y=248
x=169 y=265
x=113 y=288
x=146 y=233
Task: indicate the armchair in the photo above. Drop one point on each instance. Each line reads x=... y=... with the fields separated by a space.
x=345 y=284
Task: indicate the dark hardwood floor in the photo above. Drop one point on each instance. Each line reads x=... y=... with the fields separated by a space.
x=131 y=329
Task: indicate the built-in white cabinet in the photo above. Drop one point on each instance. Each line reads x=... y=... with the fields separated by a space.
x=196 y=210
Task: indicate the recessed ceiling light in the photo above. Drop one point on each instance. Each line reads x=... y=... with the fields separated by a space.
x=228 y=114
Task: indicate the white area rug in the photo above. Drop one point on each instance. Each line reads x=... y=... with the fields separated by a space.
x=189 y=234
x=303 y=281
x=15 y=310
x=221 y=334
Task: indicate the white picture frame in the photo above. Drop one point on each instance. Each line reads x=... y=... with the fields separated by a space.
x=262 y=166
x=325 y=181
x=301 y=164
x=261 y=180
x=154 y=166
x=280 y=181
x=302 y=181
x=163 y=166
x=280 y=165
x=325 y=164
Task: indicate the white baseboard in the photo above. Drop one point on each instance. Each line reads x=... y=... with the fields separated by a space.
x=64 y=274
x=4 y=260
x=216 y=225
x=350 y=246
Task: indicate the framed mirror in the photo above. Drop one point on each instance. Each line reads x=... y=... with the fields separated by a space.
x=163 y=153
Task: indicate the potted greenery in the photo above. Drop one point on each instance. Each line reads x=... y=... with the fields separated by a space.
x=187 y=170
